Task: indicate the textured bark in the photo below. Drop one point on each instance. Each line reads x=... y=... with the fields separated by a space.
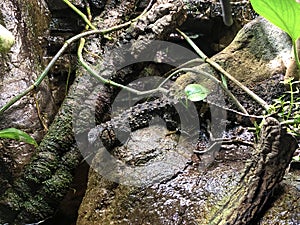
x=36 y=194
x=273 y=154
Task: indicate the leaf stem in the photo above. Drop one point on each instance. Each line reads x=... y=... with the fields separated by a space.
x=220 y=69
x=110 y=82
x=64 y=47
x=54 y=59
x=218 y=82
x=81 y=14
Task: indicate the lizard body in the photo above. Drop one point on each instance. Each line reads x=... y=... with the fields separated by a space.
x=139 y=116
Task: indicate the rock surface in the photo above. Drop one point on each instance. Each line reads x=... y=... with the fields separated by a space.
x=19 y=68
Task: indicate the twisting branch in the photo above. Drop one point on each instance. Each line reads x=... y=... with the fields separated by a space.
x=54 y=59
x=110 y=82
x=65 y=46
x=105 y=81
x=159 y=88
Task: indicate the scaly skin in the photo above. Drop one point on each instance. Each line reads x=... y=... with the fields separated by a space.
x=141 y=114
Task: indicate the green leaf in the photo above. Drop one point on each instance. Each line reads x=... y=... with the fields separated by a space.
x=196 y=92
x=283 y=13
x=13 y=133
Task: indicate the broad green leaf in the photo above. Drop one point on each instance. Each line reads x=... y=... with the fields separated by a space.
x=13 y=133
x=196 y=92
x=6 y=39
x=283 y=13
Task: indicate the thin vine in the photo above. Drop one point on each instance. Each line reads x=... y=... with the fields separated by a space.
x=102 y=32
x=55 y=58
x=106 y=81
x=263 y=103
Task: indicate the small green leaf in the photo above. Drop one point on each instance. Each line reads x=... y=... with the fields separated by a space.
x=283 y=13
x=6 y=39
x=196 y=92
x=13 y=133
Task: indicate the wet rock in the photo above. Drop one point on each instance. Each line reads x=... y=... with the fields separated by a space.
x=205 y=26
x=284 y=207
x=258 y=57
x=258 y=52
x=19 y=68
x=293 y=72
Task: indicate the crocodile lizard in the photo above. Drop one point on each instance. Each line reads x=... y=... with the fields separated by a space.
x=141 y=114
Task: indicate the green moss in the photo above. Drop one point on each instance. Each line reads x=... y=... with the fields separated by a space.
x=35 y=26
x=41 y=167
x=58 y=184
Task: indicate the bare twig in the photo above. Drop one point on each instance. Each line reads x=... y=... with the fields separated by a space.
x=224 y=141
x=110 y=82
x=64 y=47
